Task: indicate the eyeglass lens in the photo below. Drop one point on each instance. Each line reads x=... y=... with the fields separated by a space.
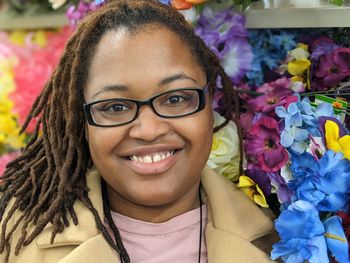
x=169 y=104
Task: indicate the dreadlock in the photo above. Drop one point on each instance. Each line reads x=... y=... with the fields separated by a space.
x=46 y=180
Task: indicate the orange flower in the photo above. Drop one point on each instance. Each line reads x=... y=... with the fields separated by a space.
x=185 y=4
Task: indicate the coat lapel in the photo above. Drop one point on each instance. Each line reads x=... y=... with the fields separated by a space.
x=91 y=250
x=86 y=228
x=233 y=222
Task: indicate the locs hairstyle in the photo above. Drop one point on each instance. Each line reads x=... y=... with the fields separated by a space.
x=49 y=176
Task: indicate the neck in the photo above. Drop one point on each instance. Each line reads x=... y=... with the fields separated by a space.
x=153 y=214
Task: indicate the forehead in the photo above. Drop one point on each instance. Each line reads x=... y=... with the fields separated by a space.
x=144 y=56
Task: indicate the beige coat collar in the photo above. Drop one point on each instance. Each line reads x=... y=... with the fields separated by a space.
x=233 y=221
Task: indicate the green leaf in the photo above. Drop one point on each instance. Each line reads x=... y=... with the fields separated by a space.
x=337 y=2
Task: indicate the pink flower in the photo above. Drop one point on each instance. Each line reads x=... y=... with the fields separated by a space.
x=276 y=93
x=263 y=147
x=34 y=69
x=4 y=159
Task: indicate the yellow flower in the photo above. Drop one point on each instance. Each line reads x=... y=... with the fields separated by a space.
x=299 y=66
x=224 y=155
x=252 y=190
x=18 y=37
x=333 y=141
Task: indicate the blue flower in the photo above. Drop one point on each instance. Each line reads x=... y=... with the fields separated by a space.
x=302 y=235
x=325 y=182
x=291 y=115
x=336 y=239
x=293 y=135
x=165 y=2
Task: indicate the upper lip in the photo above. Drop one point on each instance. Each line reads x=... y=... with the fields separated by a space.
x=149 y=150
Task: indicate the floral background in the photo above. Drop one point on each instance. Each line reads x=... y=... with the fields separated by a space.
x=294 y=88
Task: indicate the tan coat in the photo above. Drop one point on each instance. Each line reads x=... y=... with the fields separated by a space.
x=234 y=223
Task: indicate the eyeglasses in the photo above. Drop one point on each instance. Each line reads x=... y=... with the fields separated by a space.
x=171 y=104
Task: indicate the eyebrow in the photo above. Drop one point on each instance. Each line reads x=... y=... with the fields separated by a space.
x=167 y=80
x=115 y=87
x=172 y=78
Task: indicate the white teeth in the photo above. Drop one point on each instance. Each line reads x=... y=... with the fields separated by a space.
x=147 y=159
x=156 y=157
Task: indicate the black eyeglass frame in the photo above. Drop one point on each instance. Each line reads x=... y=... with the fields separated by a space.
x=201 y=105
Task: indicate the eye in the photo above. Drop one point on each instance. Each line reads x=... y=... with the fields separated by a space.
x=176 y=99
x=115 y=107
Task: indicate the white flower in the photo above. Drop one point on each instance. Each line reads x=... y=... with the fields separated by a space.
x=57 y=3
x=224 y=155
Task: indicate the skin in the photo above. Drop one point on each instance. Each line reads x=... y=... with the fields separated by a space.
x=137 y=65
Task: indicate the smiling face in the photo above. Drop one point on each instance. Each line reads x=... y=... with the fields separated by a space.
x=152 y=165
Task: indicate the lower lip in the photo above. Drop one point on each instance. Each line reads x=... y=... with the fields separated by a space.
x=152 y=168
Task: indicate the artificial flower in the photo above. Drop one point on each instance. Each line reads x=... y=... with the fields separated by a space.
x=302 y=235
x=75 y=14
x=276 y=93
x=280 y=186
x=57 y=3
x=6 y=158
x=333 y=68
x=334 y=141
x=291 y=115
x=321 y=46
x=269 y=48
x=252 y=190
x=260 y=177
x=345 y=216
x=293 y=135
x=336 y=239
x=185 y=4
x=224 y=156
x=34 y=68
x=263 y=147
x=325 y=182
x=224 y=32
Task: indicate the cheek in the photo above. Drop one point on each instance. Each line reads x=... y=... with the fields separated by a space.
x=102 y=141
x=200 y=131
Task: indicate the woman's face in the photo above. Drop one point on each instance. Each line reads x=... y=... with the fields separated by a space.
x=137 y=66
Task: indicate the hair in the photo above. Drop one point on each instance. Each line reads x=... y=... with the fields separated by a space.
x=49 y=176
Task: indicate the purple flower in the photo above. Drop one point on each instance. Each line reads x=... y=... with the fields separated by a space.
x=322 y=46
x=284 y=194
x=259 y=177
x=263 y=147
x=225 y=34
x=333 y=68
x=276 y=93
x=75 y=14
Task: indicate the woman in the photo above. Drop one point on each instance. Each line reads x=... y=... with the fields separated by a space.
x=119 y=173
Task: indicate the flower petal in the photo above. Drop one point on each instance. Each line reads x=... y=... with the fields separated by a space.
x=336 y=239
x=332 y=135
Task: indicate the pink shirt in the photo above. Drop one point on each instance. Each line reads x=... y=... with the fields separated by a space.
x=176 y=240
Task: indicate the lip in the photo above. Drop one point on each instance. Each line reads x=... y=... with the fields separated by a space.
x=152 y=168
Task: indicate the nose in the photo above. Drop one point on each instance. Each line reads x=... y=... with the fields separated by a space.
x=148 y=126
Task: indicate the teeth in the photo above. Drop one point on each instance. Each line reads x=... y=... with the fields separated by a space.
x=147 y=159
x=156 y=157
